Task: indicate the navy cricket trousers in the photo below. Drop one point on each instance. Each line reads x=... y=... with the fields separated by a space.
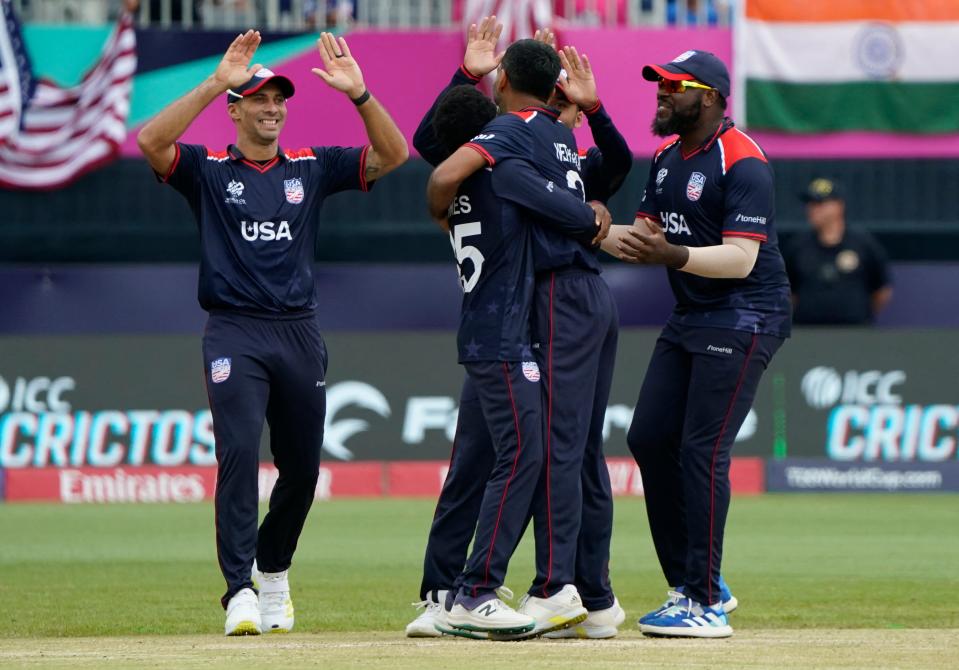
x=697 y=392
x=511 y=399
x=575 y=328
x=458 y=507
x=256 y=368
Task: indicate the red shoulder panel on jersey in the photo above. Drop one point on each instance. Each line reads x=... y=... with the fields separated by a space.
x=210 y=153
x=583 y=152
x=662 y=147
x=735 y=146
x=306 y=152
x=526 y=115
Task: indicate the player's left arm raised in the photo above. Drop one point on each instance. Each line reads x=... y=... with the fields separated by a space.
x=388 y=148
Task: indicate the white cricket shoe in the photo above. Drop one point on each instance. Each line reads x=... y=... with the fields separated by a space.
x=599 y=625
x=276 y=606
x=490 y=616
x=243 y=614
x=560 y=610
x=425 y=624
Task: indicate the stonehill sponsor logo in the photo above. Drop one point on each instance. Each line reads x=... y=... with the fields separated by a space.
x=870 y=419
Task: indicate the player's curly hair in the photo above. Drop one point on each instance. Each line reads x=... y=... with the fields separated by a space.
x=532 y=67
x=460 y=115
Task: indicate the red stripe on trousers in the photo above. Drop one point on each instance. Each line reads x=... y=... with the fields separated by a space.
x=502 y=502
x=712 y=470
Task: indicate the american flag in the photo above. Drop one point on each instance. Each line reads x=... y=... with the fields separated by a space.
x=51 y=135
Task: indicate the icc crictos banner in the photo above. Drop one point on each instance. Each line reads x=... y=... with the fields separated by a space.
x=99 y=402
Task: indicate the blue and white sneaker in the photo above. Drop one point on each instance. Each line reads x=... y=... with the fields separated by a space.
x=730 y=603
x=673 y=597
x=688 y=618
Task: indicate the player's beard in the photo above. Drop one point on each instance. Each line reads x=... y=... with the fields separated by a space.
x=679 y=122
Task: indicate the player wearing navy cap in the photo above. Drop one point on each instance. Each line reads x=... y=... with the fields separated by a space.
x=707 y=215
x=257 y=209
x=574 y=316
x=604 y=168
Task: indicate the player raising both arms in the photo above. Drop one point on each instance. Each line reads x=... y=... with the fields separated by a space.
x=257 y=210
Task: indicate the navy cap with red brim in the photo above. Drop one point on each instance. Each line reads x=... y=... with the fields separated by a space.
x=262 y=77
x=701 y=66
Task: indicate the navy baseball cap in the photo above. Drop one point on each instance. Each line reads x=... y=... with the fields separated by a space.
x=702 y=66
x=821 y=189
x=262 y=77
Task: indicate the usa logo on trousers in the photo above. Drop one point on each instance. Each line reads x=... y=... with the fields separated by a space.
x=220 y=370
x=531 y=371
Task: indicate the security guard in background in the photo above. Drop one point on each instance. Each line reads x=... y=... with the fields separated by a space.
x=838 y=275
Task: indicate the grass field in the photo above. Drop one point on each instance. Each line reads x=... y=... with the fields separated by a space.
x=138 y=586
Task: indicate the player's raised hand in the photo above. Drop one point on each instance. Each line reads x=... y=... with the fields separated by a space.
x=546 y=36
x=341 y=71
x=481 y=58
x=235 y=68
x=580 y=85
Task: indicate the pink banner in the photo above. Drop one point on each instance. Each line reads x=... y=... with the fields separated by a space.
x=406 y=70
x=366 y=479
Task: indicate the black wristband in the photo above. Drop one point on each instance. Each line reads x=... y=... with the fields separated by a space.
x=363 y=98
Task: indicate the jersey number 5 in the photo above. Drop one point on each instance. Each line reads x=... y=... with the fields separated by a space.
x=467 y=253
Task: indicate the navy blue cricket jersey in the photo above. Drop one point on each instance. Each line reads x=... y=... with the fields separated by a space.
x=258 y=221
x=491 y=222
x=724 y=188
x=536 y=135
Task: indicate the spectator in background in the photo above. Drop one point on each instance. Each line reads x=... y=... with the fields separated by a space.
x=838 y=275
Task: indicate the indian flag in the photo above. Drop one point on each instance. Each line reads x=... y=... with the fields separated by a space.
x=811 y=66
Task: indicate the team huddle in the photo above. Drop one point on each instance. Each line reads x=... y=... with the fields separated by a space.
x=525 y=211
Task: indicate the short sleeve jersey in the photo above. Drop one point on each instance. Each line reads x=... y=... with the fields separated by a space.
x=536 y=135
x=834 y=284
x=258 y=221
x=724 y=188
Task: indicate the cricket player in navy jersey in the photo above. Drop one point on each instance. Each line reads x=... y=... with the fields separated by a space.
x=574 y=320
x=604 y=169
x=707 y=215
x=257 y=208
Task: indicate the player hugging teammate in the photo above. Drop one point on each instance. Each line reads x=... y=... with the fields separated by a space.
x=707 y=215
x=561 y=307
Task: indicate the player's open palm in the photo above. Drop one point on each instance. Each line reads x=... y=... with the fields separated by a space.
x=580 y=85
x=340 y=70
x=481 y=57
x=234 y=70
